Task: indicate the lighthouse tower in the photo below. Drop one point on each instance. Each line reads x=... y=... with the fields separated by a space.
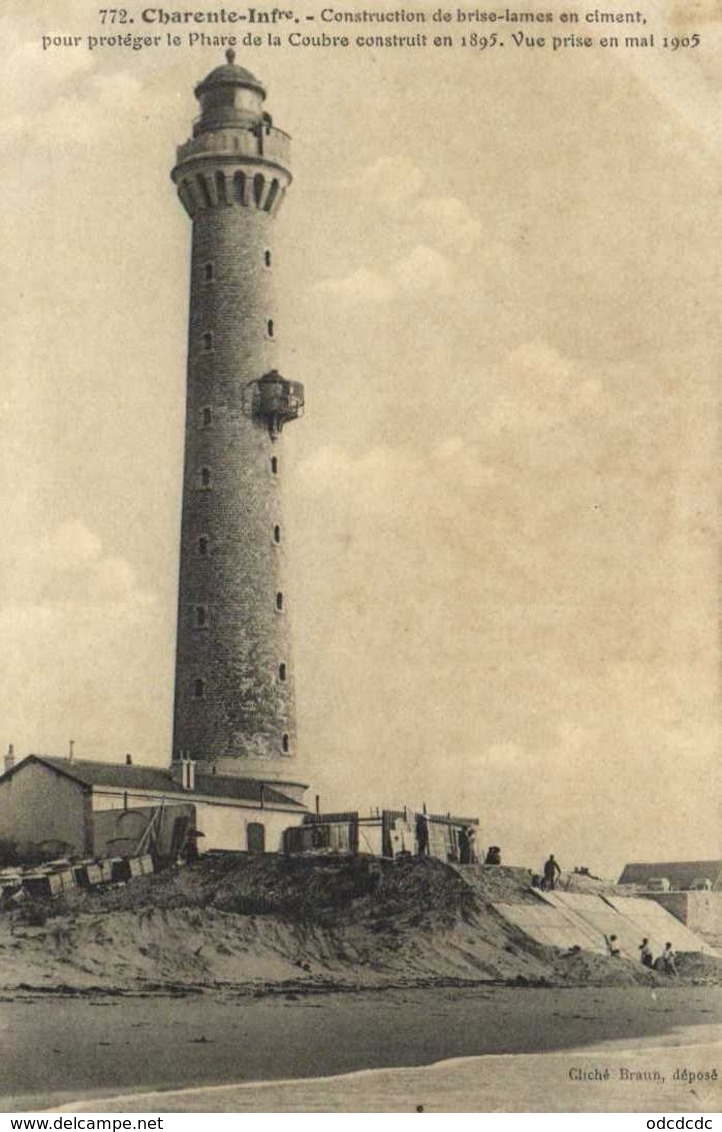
x=234 y=685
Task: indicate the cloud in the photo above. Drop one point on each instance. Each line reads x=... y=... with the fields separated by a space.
x=429 y=230
x=542 y=388
x=363 y=285
x=58 y=92
x=423 y=270
x=72 y=546
x=396 y=184
x=69 y=569
x=392 y=180
x=77 y=571
x=446 y=219
x=80 y=116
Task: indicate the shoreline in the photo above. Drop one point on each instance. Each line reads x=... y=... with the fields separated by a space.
x=531 y=1082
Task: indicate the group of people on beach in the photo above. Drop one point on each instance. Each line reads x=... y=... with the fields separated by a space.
x=666 y=963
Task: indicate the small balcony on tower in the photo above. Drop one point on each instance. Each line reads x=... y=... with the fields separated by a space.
x=273 y=401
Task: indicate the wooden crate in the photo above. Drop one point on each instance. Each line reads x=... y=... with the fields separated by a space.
x=43 y=884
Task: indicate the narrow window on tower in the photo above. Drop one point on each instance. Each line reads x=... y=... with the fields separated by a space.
x=284 y=743
x=203 y=544
x=269 y=327
x=279 y=601
x=274 y=465
x=208 y=274
x=276 y=533
x=204 y=479
x=206 y=416
x=200 y=615
x=282 y=673
x=208 y=341
x=204 y=190
x=272 y=194
x=221 y=187
x=259 y=183
x=199 y=689
x=267 y=258
x=239 y=187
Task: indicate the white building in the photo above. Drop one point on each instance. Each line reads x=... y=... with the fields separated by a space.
x=79 y=807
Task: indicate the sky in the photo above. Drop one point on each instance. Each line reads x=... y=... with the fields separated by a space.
x=498 y=280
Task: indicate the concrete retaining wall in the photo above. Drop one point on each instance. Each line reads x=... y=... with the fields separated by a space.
x=700 y=911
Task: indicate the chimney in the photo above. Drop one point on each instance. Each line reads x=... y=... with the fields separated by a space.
x=10 y=758
x=128 y=760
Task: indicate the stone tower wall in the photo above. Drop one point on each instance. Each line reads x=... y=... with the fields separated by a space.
x=234 y=705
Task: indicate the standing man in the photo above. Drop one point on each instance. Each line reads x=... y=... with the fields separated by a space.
x=645 y=953
x=669 y=961
x=551 y=872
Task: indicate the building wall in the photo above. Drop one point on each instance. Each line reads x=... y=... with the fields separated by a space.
x=700 y=911
x=224 y=825
x=704 y=915
x=39 y=805
x=117 y=831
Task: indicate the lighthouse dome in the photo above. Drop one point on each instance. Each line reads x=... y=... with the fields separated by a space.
x=229 y=74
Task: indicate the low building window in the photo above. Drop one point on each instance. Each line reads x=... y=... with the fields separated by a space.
x=204 y=479
x=285 y=743
x=267 y=258
x=206 y=416
x=274 y=465
x=203 y=543
x=282 y=673
x=200 y=613
x=199 y=689
x=279 y=601
x=277 y=533
x=269 y=327
x=208 y=274
x=208 y=341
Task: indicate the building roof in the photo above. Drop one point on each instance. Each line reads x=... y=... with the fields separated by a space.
x=160 y=780
x=680 y=874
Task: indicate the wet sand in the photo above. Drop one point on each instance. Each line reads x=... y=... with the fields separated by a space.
x=596 y=1079
x=58 y=1051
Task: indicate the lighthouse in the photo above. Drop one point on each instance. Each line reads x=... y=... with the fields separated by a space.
x=234 y=711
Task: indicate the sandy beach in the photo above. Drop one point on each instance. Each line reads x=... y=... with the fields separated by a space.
x=239 y=973
x=70 y=1050
x=647 y=1079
